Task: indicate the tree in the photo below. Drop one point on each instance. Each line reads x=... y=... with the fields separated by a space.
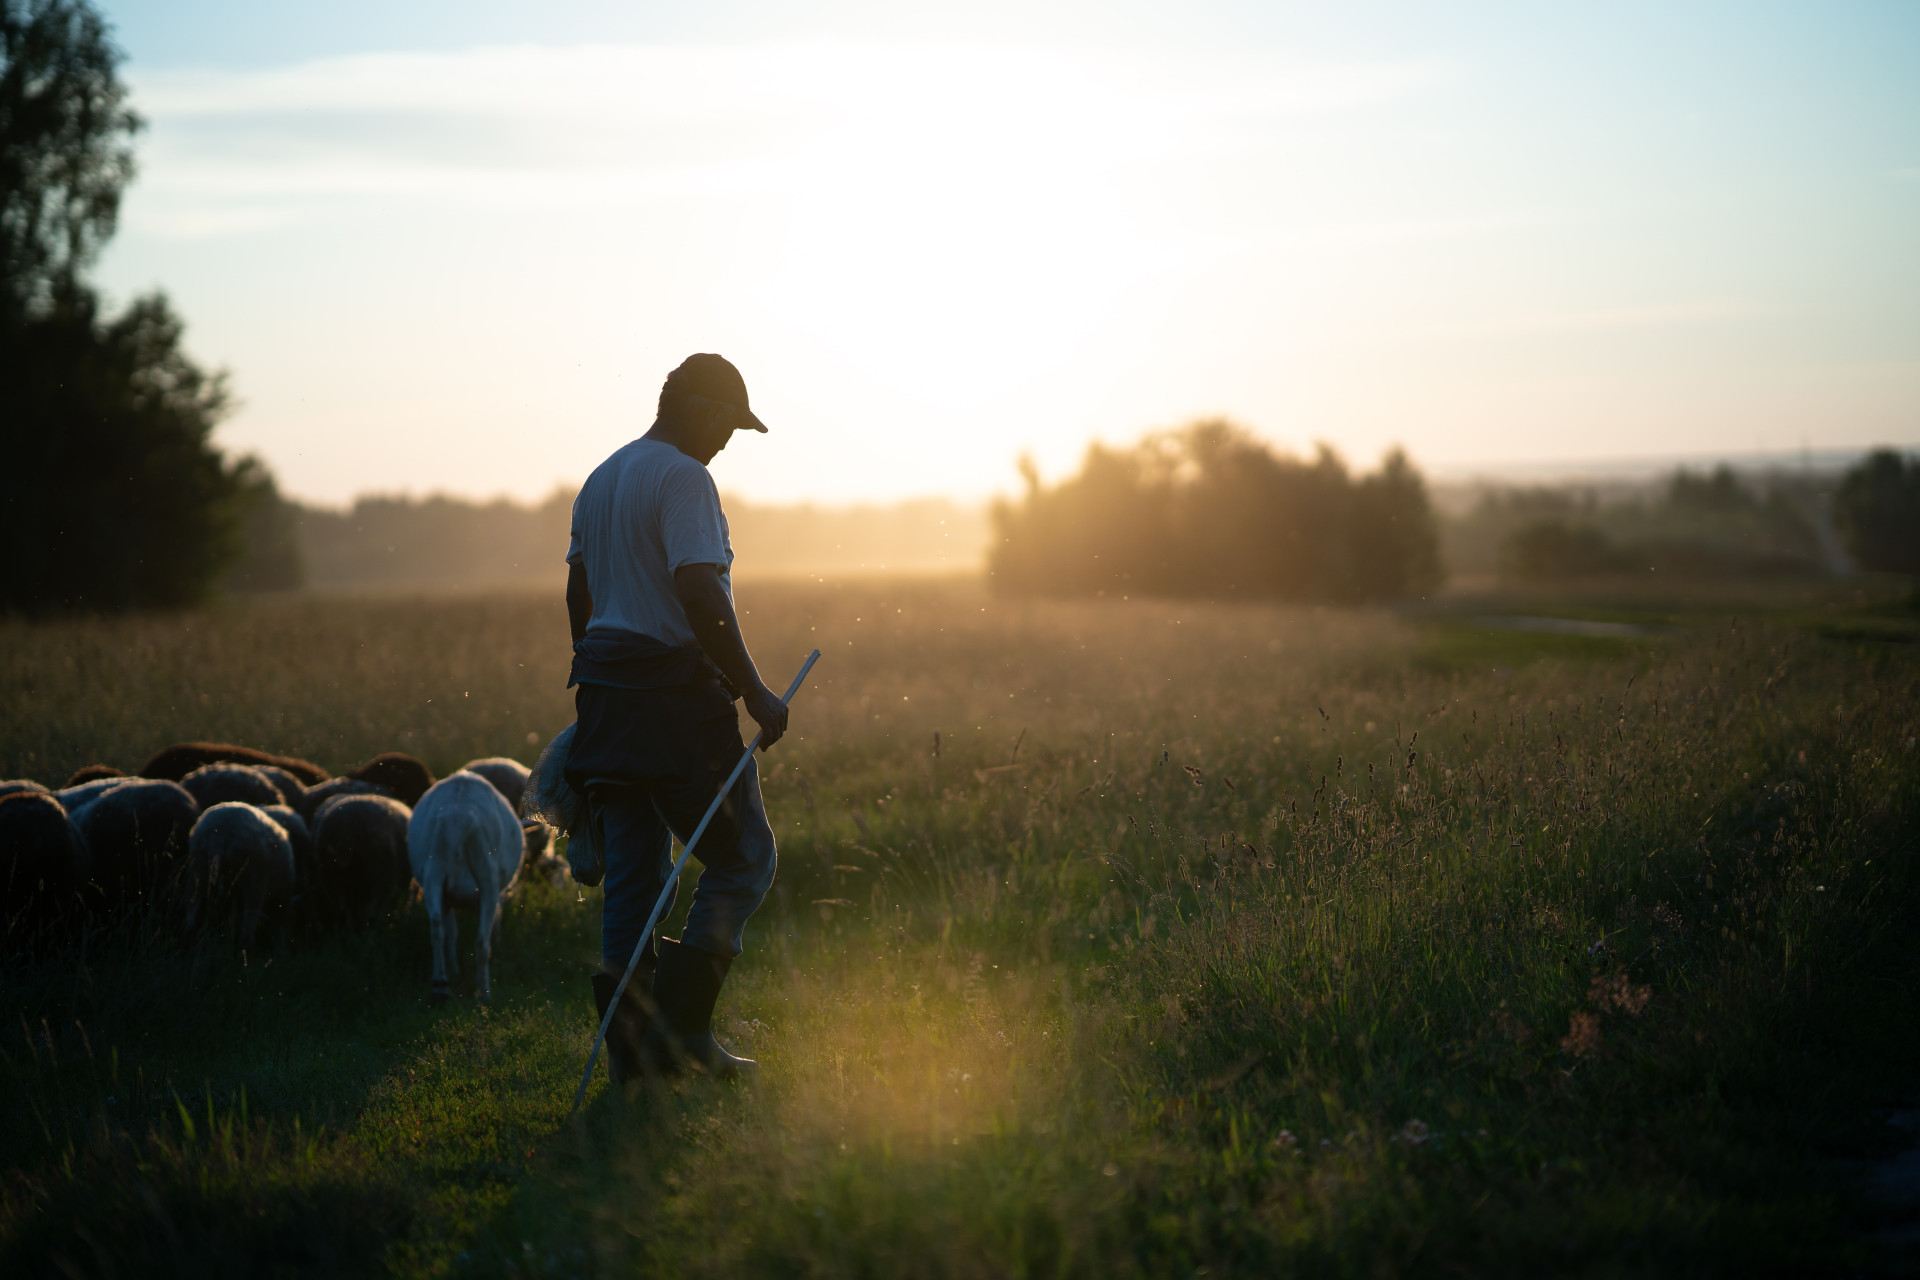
x=1396 y=547
x=1212 y=510
x=65 y=150
x=112 y=495
x=270 y=558
x=1877 y=508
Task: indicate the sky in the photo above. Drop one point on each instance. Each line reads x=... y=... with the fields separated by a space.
x=455 y=247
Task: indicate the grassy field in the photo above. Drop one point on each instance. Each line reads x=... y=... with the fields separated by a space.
x=1209 y=940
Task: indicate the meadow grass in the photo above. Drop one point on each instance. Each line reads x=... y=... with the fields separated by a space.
x=1235 y=940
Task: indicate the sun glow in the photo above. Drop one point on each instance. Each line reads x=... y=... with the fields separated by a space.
x=469 y=270
x=902 y=245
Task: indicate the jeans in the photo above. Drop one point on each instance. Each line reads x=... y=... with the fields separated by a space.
x=736 y=855
x=650 y=762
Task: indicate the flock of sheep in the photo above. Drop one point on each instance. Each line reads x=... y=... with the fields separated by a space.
x=219 y=836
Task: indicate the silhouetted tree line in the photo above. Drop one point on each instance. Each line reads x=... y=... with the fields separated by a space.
x=1210 y=510
x=1716 y=525
x=112 y=495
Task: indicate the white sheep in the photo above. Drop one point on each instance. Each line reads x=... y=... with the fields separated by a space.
x=551 y=799
x=465 y=846
x=509 y=777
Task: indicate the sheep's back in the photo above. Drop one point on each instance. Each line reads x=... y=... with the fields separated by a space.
x=508 y=776
x=216 y=784
x=43 y=860
x=316 y=798
x=135 y=831
x=459 y=804
x=360 y=849
x=235 y=841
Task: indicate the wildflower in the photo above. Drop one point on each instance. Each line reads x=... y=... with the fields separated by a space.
x=1110 y=1169
x=1617 y=992
x=1414 y=1133
x=1583 y=1035
x=1285 y=1139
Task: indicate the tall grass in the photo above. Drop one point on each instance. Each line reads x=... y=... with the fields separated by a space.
x=1235 y=939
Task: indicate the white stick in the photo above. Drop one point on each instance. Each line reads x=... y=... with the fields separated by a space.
x=666 y=890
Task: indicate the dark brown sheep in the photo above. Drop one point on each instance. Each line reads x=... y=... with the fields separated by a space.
x=182 y=758
x=43 y=864
x=360 y=857
x=91 y=773
x=400 y=773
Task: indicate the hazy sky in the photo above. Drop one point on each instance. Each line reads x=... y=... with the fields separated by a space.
x=456 y=246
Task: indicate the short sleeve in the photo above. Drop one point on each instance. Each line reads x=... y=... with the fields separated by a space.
x=575 y=554
x=692 y=528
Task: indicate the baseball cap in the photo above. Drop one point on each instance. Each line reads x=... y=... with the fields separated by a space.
x=712 y=376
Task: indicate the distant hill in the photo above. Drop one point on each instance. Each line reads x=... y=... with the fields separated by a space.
x=445 y=543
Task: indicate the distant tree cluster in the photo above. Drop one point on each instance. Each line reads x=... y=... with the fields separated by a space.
x=1210 y=510
x=112 y=495
x=1698 y=526
x=1878 y=510
x=1717 y=525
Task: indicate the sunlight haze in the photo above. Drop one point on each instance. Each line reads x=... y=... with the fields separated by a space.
x=457 y=249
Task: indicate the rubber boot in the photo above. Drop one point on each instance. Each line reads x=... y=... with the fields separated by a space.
x=681 y=1037
x=625 y=1052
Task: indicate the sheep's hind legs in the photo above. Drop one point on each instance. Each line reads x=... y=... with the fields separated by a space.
x=441 y=937
x=483 y=941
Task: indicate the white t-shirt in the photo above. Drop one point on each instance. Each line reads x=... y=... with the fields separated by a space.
x=642 y=514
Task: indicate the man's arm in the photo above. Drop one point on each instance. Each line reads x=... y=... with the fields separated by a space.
x=710 y=611
x=579 y=601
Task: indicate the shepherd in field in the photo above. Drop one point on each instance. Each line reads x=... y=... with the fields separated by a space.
x=659 y=661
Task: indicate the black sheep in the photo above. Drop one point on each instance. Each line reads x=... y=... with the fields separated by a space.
x=301 y=834
x=360 y=857
x=291 y=788
x=76 y=798
x=136 y=832
x=214 y=784
x=239 y=865
x=315 y=798
x=43 y=864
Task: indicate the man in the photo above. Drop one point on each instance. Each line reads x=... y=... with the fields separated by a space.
x=659 y=660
